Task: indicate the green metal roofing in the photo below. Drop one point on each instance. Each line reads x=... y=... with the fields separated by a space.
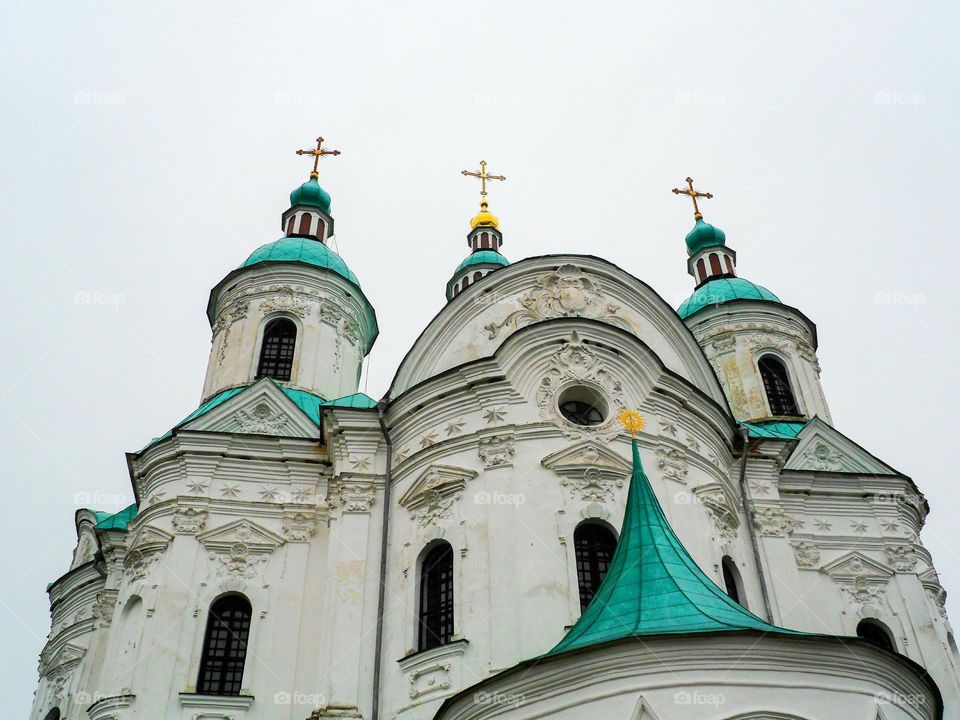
x=117 y=521
x=306 y=401
x=775 y=430
x=704 y=235
x=482 y=257
x=653 y=586
x=305 y=250
x=311 y=194
x=723 y=290
x=357 y=401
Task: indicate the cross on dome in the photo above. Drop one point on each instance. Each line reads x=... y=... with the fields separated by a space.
x=317 y=154
x=693 y=195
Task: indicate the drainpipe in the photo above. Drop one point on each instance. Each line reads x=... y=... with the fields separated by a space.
x=751 y=530
x=381 y=595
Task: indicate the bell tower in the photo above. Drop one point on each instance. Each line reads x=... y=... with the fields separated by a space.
x=293 y=311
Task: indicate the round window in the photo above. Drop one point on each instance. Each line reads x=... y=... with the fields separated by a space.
x=583 y=405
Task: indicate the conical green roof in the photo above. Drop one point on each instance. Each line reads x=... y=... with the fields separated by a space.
x=653 y=586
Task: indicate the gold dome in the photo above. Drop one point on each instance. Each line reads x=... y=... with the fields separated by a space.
x=484 y=217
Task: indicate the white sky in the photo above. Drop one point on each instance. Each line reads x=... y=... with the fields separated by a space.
x=148 y=148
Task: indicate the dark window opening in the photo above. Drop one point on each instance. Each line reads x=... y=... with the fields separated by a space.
x=776 y=383
x=225 y=647
x=436 y=598
x=875 y=634
x=305 y=222
x=730 y=576
x=593 y=545
x=276 y=352
x=715 y=265
x=581 y=413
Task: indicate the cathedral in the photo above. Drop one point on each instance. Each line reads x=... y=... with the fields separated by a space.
x=574 y=501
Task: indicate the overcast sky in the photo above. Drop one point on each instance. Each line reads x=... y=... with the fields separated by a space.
x=148 y=149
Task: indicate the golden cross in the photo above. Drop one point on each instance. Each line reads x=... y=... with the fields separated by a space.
x=483 y=178
x=317 y=154
x=693 y=194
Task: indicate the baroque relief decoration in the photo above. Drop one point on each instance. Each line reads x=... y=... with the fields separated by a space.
x=576 y=363
x=902 y=557
x=673 y=464
x=298 y=523
x=496 y=451
x=189 y=519
x=862 y=579
x=352 y=497
x=806 y=553
x=434 y=494
x=590 y=470
x=237 y=310
x=822 y=457
x=284 y=300
x=103 y=607
x=721 y=508
x=938 y=596
x=772 y=521
x=239 y=548
x=261 y=420
x=146 y=547
x=60 y=662
x=565 y=292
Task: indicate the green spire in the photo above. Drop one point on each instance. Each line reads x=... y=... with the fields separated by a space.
x=653 y=586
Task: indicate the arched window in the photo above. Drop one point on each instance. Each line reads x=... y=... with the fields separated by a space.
x=593 y=545
x=715 y=265
x=731 y=579
x=477 y=275
x=701 y=271
x=276 y=351
x=224 y=647
x=436 y=598
x=776 y=383
x=305 y=221
x=52 y=715
x=876 y=633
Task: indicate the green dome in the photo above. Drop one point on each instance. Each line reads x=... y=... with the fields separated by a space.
x=491 y=257
x=310 y=193
x=723 y=290
x=305 y=250
x=704 y=235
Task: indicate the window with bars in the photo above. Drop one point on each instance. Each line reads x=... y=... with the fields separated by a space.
x=594 y=546
x=224 y=647
x=776 y=383
x=276 y=351
x=436 y=598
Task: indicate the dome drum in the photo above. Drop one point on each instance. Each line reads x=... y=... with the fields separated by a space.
x=307 y=222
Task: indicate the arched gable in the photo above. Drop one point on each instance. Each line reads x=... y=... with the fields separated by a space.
x=475 y=323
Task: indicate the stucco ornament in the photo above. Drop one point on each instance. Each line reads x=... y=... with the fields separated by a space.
x=433 y=496
x=496 y=451
x=862 y=579
x=806 y=553
x=575 y=363
x=673 y=463
x=189 y=520
x=261 y=420
x=239 y=548
x=720 y=506
x=902 y=557
x=237 y=310
x=772 y=521
x=566 y=292
x=285 y=300
x=822 y=457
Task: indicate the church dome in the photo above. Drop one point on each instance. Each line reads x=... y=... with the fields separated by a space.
x=305 y=250
x=704 y=235
x=723 y=290
x=311 y=194
x=481 y=257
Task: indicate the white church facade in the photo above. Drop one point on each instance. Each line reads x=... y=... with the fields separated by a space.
x=488 y=540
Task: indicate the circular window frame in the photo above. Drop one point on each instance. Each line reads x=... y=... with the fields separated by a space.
x=586 y=392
